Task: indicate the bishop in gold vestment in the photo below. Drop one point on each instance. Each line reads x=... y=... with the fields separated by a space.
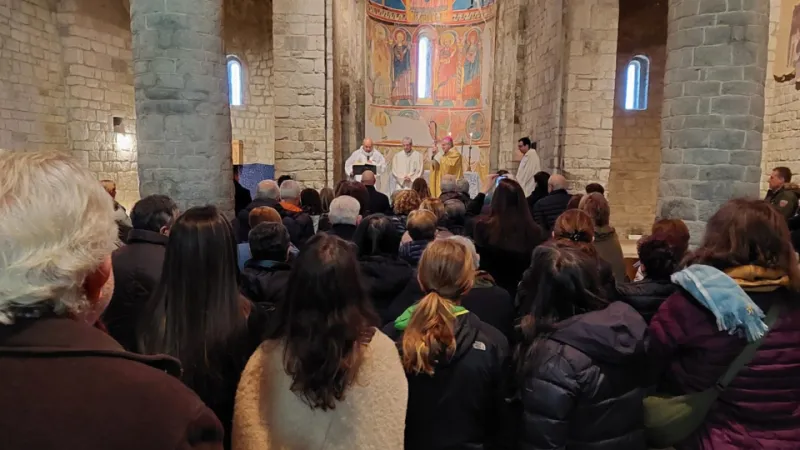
x=445 y=163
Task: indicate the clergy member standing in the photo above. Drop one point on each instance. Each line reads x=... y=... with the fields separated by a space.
x=446 y=162
x=366 y=155
x=406 y=165
x=529 y=166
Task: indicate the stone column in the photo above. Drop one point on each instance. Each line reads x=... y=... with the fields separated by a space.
x=713 y=114
x=182 y=113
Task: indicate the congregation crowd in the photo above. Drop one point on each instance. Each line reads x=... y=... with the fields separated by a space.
x=346 y=319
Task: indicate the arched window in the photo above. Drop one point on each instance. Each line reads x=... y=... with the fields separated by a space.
x=235 y=81
x=637 y=77
x=424 y=68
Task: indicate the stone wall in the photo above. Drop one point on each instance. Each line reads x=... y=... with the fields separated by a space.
x=636 y=137
x=32 y=109
x=504 y=97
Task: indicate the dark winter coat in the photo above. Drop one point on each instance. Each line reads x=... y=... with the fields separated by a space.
x=385 y=277
x=264 y=282
x=537 y=194
x=462 y=406
x=759 y=409
x=243 y=217
x=784 y=199
x=455 y=195
x=646 y=296
x=137 y=270
x=399 y=223
x=412 y=251
x=299 y=224
x=608 y=247
x=582 y=391
x=74 y=387
x=505 y=266
x=343 y=230
x=378 y=201
x=242 y=197
x=546 y=211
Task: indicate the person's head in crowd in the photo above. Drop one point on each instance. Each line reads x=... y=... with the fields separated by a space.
x=510 y=222
x=408 y=145
x=446 y=273
x=263 y=214
x=196 y=305
x=420 y=186
x=324 y=321
x=576 y=227
x=779 y=177
x=311 y=202
x=574 y=201
x=421 y=225
x=596 y=206
x=111 y=187
x=326 y=196
x=463 y=185
x=557 y=182
x=524 y=145
x=154 y=213
x=748 y=232
x=283 y=178
x=377 y=235
x=268 y=190
x=290 y=192
x=368 y=145
x=356 y=190
x=345 y=210
x=449 y=184
x=659 y=259
x=591 y=188
x=406 y=201
x=66 y=268
x=470 y=246
x=447 y=144
x=368 y=178
x=675 y=232
x=455 y=211
x=435 y=206
x=269 y=242
x=541 y=179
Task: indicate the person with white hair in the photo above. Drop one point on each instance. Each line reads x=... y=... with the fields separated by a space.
x=57 y=233
x=299 y=224
x=345 y=216
x=267 y=194
x=407 y=165
x=450 y=189
x=366 y=155
x=546 y=211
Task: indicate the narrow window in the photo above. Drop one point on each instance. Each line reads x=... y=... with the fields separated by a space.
x=235 y=81
x=424 y=68
x=637 y=77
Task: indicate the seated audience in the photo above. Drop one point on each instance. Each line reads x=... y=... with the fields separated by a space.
x=782 y=194
x=456 y=213
x=435 y=206
x=67 y=384
x=574 y=202
x=137 y=266
x=262 y=214
x=580 y=362
x=378 y=201
x=449 y=188
x=311 y=202
x=576 y=228
x=265 y=276
x=344 y=217
x=540 y=191
x=196 y=313
x=385 y=274
x=659 y=260
x=422 y=230
x=463 y=190
x=298 y=223
x=454 y=362
x=327 y=378
x=405 y=201
x=547 y=210
x=267 y=194
x=606 y=240
x=420 y=186
x=242 y=196
x=506 y=237
x=591 y=188
x=120 y=215
x=700 y=329
x=359 y=192
x=677 y=234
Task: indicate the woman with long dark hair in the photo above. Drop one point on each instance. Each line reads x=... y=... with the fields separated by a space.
x=311 y=202
x=455 y=363
x=506 y=236
x=327 y=378
x=579 y=363
x=420 y=186
x=196 y=313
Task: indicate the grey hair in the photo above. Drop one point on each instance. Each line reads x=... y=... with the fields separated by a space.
x=463 y=185
x=449 y=183
x=268 y=190
x=290 y=190
x=344 y=210
x=455 y=209
x=557 y=182
x=408 y=139
x=56 y=228
x=467 y=242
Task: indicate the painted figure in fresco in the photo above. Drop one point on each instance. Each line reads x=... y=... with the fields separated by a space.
x=447 y=74
x=401 y=70
x=380 y=66
x=395 y=4
x=471 y=91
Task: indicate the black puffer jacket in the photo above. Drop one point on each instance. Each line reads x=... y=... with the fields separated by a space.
x=264 y=282
x=299 y=225
x=546 y=211
x=462 y=406
x=385 y=278
x=582 y=392
x=646 y=296
x=412 y=251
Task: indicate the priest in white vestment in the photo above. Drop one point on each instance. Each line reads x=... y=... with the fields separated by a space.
x=366 y=155
x=407 y=166
x=529 y=166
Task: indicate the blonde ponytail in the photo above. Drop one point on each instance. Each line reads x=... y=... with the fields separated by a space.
x=430 y=334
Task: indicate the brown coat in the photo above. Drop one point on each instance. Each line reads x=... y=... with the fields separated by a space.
x=68 y=386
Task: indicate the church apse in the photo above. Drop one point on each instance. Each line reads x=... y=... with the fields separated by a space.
x=429 y=76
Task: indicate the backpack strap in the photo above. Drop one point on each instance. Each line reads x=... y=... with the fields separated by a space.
x=750 y=349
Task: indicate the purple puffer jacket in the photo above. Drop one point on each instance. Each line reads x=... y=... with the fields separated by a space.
x=761 y=407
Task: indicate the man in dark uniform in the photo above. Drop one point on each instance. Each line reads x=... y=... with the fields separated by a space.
x=782 y=194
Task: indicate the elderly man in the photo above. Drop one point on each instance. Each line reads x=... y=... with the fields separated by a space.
x=529 y=166
x=378 y=202
x=407 y=165
x=449 y=188
x=448 y=161
x=267 y=194
x=344 y=217
x=782 y=194
x=546 y=211
x=366 y=155
x=56 y=239
x=298 y=222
